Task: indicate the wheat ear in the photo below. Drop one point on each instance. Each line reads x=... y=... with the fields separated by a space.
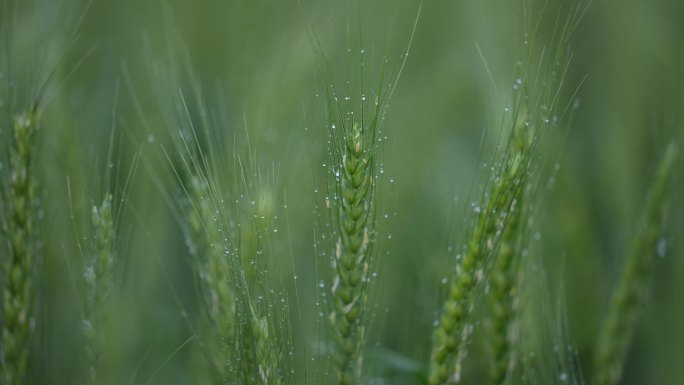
x=353 y=214
x=491 y=221
x=211 y=261
x=617 y=329
x=18 y=267
x=503 y=292
x=99 y=280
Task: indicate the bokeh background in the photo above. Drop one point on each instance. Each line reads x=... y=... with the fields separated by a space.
x=255 y=62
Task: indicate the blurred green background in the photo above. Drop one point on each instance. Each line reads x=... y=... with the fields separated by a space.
x=258 y=56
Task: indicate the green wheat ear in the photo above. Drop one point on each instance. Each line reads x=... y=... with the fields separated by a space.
x=508 y=256
x=354 y=224
x=504 y=289
x=99 y=280
x=18 y=267
x=618 y=328
x=496 y=217
x=212 y=266
x=267 y=360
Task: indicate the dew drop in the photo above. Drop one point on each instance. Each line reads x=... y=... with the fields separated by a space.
x=576 y=104
x=661 y=248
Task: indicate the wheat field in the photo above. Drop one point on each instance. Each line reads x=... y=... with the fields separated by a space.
x=319 y=192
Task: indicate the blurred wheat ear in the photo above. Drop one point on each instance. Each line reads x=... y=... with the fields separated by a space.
x=18 y=267
x=99 y=281
x=226 y=215
x=207 y=249
x=629 y=296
